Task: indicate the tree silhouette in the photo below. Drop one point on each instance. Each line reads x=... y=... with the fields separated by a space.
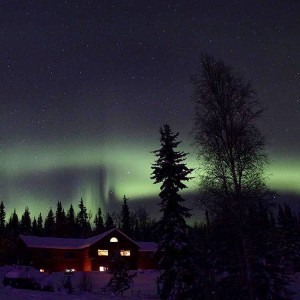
x=40 y=229
x=98 y=221
x=125 y=217
x=25 y=224
x=60 y=221
x=50 y=224
x=2 y=218
x=174 y=248
x=109 y=223
x=71 y=223
x=82 y=220
x=121 y=279
x=34 y=227
x=232 y=156
x=13 y=224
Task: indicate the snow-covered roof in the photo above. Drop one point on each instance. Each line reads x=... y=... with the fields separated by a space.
x=66 y=243
x=147 y=246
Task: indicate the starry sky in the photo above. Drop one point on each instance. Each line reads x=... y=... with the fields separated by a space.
x=85 y=86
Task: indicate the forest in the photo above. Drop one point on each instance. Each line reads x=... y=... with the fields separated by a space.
x=246 y=247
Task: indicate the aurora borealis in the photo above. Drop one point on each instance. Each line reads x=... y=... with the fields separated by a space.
x=85 y=86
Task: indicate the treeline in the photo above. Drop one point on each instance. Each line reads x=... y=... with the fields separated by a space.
x=81 y=223
x=273 y=248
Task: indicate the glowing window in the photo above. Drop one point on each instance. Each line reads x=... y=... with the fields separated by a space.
x=125 y=252
x=102 y=269
x=102 y=252
x=113 y=240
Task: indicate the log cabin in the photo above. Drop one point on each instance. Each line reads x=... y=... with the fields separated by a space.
x=50 y=254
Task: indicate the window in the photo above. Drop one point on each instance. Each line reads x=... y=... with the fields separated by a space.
x=125 y=252
x=113 y=240
x=102 y=269
x=102 y=252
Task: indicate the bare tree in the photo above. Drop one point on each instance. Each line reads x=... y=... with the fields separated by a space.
x=230 y=145
x=231 y=150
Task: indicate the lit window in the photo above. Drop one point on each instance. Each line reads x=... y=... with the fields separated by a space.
x=102 y=269
x=113 y=240
x=102 y=252
x=125 y=252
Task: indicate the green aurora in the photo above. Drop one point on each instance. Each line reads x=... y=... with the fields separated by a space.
x=100 y=172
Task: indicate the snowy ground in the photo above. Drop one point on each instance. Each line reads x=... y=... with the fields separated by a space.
x=295 y=287
x=144 y=287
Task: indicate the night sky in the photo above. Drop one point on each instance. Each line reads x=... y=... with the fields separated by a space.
x=85 y=86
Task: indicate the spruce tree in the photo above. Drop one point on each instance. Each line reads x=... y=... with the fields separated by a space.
x=25 y=224
x=121 y=279
x=50 y=224
x=2 y=218
x=174 y=247
x=82 y=220
x=40 y=229
x=60 y=221
x=71 y=224
x=109 y=223
x=14 y=225
x=143 y=227
x=34 y=229
x=125 y=217
x=98 y=221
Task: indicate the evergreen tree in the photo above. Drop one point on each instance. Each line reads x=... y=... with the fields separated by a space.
x=71 y=224
x=2 y=218
x=50 y=224
x=125 y=217
x=40 y=229
x=288 y=230
x=8 y=240
x=142 y=216
x=25 y=224
x=174 y=248
x=109 y=223
x=60 y=221
x=285 y=216
x=135 y=228
x=98 y=221
x=82 y=221
x=120 y=280
x=34 y=229
x=14 y=225
x=143 y=225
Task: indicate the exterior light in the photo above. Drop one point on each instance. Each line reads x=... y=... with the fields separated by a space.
x=69 y=270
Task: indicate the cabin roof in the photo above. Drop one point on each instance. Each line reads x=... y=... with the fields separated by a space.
x=67 y=243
